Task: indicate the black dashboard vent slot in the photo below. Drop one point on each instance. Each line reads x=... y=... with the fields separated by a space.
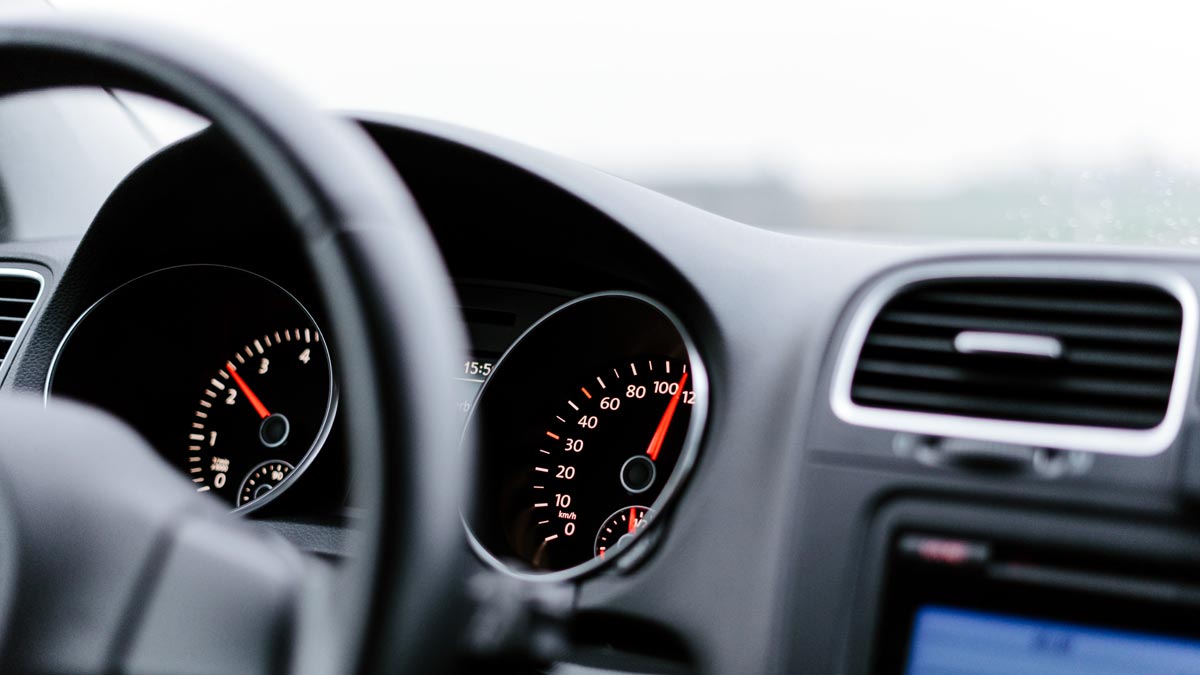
x=18 y=293
x=1092 y=353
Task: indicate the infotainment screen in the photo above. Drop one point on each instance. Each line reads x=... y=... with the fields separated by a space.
x=963 y=642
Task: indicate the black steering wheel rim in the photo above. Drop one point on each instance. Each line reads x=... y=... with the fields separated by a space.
x=385 y=291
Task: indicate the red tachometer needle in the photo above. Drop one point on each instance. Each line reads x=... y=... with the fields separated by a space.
x=632 y=519
x=660 y=434
x=259 y=408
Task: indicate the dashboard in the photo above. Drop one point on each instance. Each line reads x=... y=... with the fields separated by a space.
x=741 y=450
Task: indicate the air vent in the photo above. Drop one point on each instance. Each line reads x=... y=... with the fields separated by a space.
x=1014 y=358
x=18 y=292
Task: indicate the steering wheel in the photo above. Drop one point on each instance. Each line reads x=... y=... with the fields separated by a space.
x=97 y=575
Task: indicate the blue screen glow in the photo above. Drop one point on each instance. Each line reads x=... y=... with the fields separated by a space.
x=959 y=642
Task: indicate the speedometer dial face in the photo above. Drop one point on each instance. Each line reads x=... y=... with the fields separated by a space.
x=614 y=439
x=588 y=426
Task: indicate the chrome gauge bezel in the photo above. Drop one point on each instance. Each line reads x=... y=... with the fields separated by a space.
x=689 y=453
x=331 y=403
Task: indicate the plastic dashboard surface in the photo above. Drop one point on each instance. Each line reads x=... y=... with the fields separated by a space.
x=764 y=562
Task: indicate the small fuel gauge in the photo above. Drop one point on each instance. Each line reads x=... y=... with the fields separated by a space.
x=262 y=479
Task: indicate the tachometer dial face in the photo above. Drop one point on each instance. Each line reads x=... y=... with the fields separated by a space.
x=590 y=419
x=262 y=410
x=223 y=371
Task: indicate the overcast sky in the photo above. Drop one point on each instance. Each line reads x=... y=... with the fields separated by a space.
x=842 y=97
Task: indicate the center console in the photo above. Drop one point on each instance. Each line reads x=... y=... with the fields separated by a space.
x=991 y=591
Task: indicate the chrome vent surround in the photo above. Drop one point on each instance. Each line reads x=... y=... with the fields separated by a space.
x=1095 y=362
x=19 y=292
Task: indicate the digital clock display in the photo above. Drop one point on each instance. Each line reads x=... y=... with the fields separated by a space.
x=476 y=370
x=471 y=375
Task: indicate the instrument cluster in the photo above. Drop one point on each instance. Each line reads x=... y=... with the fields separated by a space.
x=587 y=423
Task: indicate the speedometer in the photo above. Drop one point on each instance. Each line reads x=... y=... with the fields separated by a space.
x=604 y=448
x=587 y=426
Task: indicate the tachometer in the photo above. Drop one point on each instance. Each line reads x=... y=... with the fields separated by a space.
x=223 y=371
x=587 y=426
x=259 y=415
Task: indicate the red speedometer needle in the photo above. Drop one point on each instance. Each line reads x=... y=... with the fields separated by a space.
x=660 y=434
x=259 y=408
x=632 y=519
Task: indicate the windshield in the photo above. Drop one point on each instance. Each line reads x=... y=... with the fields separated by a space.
x=1071 y=121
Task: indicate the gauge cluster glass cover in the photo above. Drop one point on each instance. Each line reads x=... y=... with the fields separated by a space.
x=586 y=427
x=223 y=371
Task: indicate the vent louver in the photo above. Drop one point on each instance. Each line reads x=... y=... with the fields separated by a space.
x=1050 y=351
x=18 y=293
